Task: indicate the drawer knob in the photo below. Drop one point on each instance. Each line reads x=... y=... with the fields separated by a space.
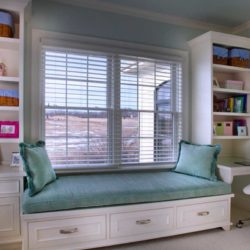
x=143 y=222
x=204 y=213
x=69 y=231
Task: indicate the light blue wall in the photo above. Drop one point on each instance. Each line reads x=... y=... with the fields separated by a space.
x=53 y=16
x=76 y=20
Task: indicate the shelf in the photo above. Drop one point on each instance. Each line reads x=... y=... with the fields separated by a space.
x=231 y=91
x=229 y=69
x=9 y=108
x=9 y=43
x=231 y=114
x=8 y=171
x=230 y=137
x=11 y=79
x=9 y=140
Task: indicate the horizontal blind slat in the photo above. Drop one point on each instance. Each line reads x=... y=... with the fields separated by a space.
x=80 y=104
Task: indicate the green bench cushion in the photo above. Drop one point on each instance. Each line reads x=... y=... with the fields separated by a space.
x=98 y=190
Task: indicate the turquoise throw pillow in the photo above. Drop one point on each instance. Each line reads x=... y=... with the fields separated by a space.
x=198 y=160
x=37 y=166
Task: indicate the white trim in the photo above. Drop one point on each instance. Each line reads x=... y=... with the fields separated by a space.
x=149 y=15
x=241 y=28
x=40 y=37
x=156 y=16
x=83 y=42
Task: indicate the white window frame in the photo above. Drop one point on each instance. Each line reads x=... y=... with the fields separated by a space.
x=41 y=37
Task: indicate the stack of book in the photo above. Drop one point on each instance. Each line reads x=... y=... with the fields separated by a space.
x=231 y=104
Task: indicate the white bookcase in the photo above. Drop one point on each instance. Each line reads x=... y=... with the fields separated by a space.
x=203 y=93
x=11 y=178
x=12 y=55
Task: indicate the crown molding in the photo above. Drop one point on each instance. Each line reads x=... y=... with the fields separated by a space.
x=149 y=15
x=156 y=16
x=241 y=28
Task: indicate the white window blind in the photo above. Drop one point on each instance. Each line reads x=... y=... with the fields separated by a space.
x=104 y=109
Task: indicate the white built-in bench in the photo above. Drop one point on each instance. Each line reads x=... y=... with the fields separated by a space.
x=94 y=210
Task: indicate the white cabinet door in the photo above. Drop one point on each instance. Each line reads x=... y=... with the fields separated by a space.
x=9 y=217
x=202 y=214
x=9 y=187
x=141 y=222
x=67 y=231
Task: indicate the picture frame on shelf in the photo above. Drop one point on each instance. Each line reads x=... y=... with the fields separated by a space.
x=15 y=159
x=9 y=129
x=242 y=131
x=216 y=82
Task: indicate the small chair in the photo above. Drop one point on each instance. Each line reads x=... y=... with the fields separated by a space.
x=240 y=223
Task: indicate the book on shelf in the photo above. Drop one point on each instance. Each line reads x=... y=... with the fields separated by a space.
x=237 y=104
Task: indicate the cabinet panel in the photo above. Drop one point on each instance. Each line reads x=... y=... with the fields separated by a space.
x=9 y=187
x=67 y=231
x=9 y=217
x=141 y=222
x=202 y=214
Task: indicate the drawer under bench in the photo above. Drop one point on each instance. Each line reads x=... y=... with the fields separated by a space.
x=97 y=227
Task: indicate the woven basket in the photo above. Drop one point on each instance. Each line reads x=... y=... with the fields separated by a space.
x=220 y=55
x=220 y=60
x=239 y=62
x=239 y=57
x=6 y=24
x=8 y=101
x=5 y=31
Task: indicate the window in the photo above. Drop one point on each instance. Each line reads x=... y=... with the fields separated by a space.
x=110 y=110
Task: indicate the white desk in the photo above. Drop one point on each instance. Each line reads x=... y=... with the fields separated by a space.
x=227 y=169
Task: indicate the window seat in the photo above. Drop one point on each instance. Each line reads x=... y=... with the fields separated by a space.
x=101 y=189
x=96 y=210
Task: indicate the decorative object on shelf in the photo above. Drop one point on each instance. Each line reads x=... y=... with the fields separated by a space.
x=220 y=55
x=216 y=83
x=2 y=68
x=239 y=57
x=15 y=159
x=233 y=84
x=238 y=123
x=242 y=131
x=9 y=97
x=9 y=129
x=6 y=24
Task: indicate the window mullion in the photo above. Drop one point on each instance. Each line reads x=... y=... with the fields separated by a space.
x=87 y=96
x=174 y=95
x=110 y=110
x=117 y=123
x=66 y=111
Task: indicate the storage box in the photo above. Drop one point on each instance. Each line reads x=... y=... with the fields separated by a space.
x=9 y=97
x=239 y=57
x=9 y=129
x=219 y=128
x=220 y=55
x=237 y=123
x=233 y=84
x=228 y=128
x=6 y=24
